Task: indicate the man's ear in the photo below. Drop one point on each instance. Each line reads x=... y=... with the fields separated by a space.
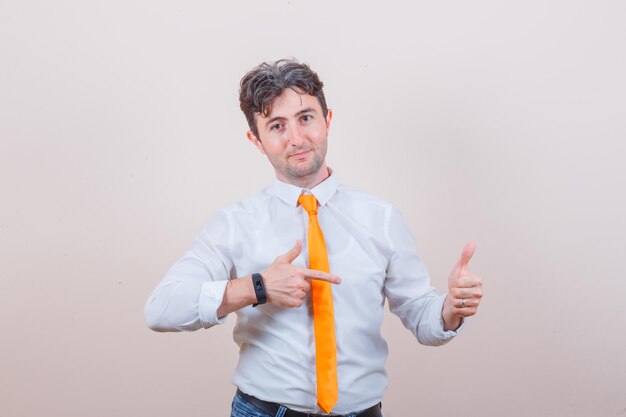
x=329 y=117
x=255 y=141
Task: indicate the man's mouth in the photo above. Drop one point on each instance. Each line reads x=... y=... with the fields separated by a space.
x=300 y=154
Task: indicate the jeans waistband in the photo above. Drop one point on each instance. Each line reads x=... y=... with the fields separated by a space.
x=272 y=408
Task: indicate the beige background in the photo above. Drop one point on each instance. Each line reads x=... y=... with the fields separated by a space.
x=502 y=122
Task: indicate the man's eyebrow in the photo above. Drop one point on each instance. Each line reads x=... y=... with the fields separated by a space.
x=307 y=110
x=274 y=119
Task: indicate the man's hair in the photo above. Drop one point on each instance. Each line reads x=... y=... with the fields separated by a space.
x=262 y=85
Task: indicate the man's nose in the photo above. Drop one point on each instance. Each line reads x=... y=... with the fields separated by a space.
x=296 y=136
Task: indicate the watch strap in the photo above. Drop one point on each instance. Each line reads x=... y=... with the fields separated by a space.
x=259 y=289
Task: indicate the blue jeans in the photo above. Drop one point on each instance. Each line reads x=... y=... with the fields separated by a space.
x=242 y=408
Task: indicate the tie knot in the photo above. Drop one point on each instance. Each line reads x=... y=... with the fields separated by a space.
x=309 y=203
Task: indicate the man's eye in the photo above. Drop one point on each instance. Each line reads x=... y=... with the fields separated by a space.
x=276 y=126
x=307 y=118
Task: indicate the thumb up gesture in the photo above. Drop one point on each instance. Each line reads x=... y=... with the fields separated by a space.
x=465 y=291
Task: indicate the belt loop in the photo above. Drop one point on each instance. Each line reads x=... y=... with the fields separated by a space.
x=281 y=411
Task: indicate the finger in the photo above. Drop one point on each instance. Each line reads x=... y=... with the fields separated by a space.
x=295 y=303
x=459 y=305
x=293 y=253
x=321 y=276
x=467 y=312
x=468 y=303
x=466 y=255
x=468 y=281
x=459 y=293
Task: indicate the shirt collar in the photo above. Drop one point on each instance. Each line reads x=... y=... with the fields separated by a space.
x=289 y=193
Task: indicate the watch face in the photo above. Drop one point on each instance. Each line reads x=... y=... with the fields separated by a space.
x=259 y=289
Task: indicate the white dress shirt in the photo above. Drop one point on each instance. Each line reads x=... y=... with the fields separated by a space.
x=369 y=246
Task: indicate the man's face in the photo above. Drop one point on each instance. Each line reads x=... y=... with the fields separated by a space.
x=294 y=138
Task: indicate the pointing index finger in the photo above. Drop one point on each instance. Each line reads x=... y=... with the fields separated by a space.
x=321 y=275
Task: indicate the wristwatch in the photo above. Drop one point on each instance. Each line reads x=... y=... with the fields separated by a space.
x=259 y=289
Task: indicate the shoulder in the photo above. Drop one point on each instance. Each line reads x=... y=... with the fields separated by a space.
x=237 y=216
x=249 y=205
x=253 y=208
x=368 y=210
x=381 y=219
x=351 y=196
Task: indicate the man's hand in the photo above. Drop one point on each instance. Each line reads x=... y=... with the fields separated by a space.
x=286 y=285
x=465 y=291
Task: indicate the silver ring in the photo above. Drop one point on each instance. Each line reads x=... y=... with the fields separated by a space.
x=463 y=303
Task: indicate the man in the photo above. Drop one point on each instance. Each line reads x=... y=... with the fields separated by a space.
x=307 y=264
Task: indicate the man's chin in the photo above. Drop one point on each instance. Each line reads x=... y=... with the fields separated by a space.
x=303 y=171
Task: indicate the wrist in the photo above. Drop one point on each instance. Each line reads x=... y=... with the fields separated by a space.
x=450 y=320
x=249 y=290
x=238 y=294
x=452 y=323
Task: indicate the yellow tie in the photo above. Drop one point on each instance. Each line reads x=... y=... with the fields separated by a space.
x=323 y=313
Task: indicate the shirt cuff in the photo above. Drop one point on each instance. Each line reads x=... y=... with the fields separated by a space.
x=211 y=296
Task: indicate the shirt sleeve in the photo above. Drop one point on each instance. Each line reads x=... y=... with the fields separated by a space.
x=188 y=297
x=408 y=289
